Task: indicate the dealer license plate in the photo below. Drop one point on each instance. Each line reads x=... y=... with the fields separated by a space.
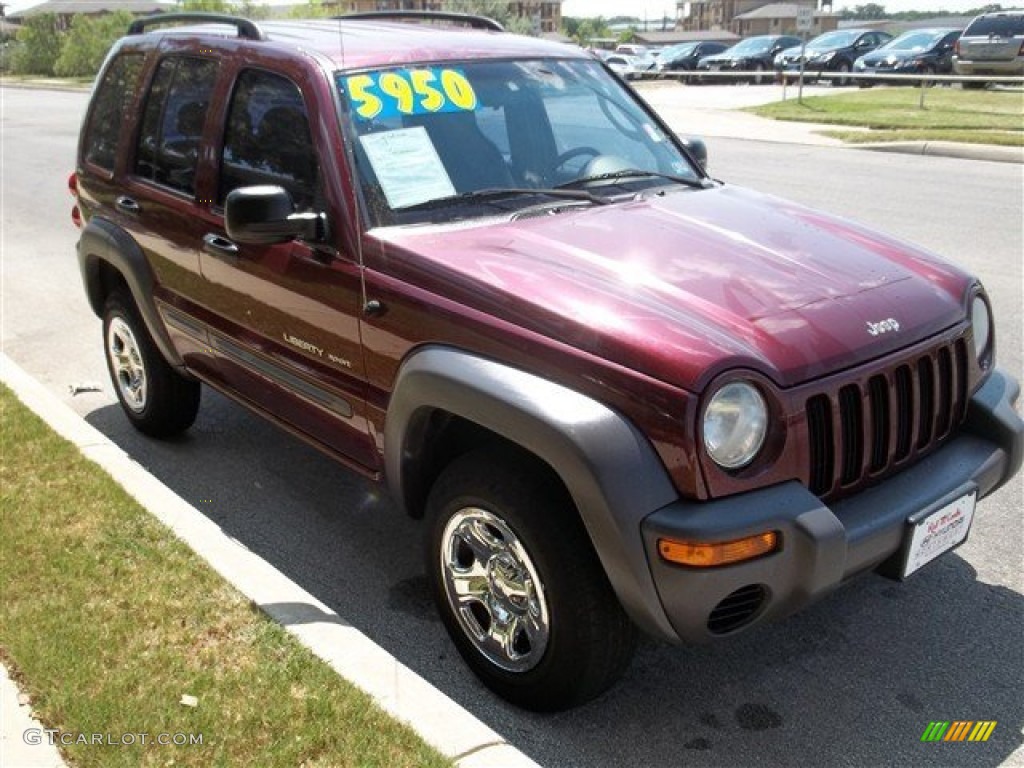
x=939 y=532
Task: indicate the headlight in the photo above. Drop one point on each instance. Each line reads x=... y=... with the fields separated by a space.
x=735 y=423
x=981 y=320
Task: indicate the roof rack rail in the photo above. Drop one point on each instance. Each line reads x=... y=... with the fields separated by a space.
x=469 y=19
x=246 y=28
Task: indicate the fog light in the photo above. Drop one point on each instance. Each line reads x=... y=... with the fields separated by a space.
x=702 y=554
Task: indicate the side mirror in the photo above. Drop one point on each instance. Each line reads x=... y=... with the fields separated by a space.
x=265 y=215
x=697 y=148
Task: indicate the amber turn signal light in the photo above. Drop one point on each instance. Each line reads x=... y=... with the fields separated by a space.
x=702 y=554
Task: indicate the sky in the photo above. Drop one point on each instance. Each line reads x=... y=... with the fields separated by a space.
x=655 y=9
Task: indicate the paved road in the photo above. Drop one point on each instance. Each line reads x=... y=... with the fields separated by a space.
x=853 y=681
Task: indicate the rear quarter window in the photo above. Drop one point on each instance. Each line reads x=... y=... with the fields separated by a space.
x=111 y=102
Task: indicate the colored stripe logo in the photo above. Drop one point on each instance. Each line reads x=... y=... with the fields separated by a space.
x=958 y=730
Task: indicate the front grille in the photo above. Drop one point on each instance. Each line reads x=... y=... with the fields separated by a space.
x=862 y=429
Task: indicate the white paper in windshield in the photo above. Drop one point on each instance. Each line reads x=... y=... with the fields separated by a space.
x=407 y=166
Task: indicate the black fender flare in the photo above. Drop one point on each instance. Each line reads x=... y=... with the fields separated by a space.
x=610 y=469
x=102 y=241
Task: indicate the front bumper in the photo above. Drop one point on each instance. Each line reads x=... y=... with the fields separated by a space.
x=824 y=545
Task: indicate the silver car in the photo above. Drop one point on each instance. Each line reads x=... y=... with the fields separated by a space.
x=992 y=44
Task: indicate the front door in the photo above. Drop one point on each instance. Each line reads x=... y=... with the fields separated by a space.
x=284 y=318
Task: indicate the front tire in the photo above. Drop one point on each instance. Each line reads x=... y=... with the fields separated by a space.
x=518 y=585
x=843 y=70
x=157 y=400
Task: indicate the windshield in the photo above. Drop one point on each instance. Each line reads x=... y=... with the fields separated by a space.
x=677 y=51
x=914 y=41
x=752 y=45
x=833 y=40
x=437 y=143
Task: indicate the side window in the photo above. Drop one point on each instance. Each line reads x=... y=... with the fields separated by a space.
x=109 y=107
x=267 y=140
x=172 y=124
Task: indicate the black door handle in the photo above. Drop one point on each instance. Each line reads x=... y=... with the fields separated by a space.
x=127 y=205
x=220 y=246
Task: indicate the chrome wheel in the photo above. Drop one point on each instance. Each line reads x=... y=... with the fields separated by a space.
x=126 y=364
x=494 y=590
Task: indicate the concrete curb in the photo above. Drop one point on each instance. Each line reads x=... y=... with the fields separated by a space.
x=440 y=721
x=989 y=152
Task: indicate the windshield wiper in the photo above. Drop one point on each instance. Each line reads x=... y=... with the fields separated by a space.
x=638 y=173
x=492 y=195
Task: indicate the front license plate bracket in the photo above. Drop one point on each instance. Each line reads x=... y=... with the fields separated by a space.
x=939 y=528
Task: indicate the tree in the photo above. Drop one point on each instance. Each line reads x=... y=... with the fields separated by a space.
x=866 y=12
x=310 y=10
x=252 y=10
x=589 y=29
x=39 y=46
x=494 y=9
x=86 y=45
x=213 y=6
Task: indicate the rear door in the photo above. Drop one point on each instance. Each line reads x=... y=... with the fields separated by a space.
x=159 y=204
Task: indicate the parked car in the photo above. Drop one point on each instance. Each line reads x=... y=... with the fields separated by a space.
x=627 y=66
x=992 y=44
x=476 y=268
x=685 y=56
x=831 y=52
x=755 y=54
x=632 y=49
x=920 y=51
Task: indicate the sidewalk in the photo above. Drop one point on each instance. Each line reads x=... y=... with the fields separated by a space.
x=716 y=111
x=23 y=743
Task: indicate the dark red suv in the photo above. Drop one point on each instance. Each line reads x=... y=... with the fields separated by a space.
x=475 y=266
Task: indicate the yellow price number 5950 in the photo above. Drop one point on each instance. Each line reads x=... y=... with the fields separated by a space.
x=410 y=92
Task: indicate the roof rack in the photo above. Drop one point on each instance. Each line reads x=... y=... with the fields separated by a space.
x=469 y=19
x=246 y=28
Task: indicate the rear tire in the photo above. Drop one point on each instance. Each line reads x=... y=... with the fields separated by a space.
x=157 y=400
x=974 y=85
x=518 y=585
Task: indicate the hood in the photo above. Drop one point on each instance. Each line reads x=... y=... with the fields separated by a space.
x=794 y=53
x=690 y=283
x=724 y=56
x=876 y=57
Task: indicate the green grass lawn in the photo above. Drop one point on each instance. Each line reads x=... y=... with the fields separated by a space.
x=893 y=114
x=107 y=620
